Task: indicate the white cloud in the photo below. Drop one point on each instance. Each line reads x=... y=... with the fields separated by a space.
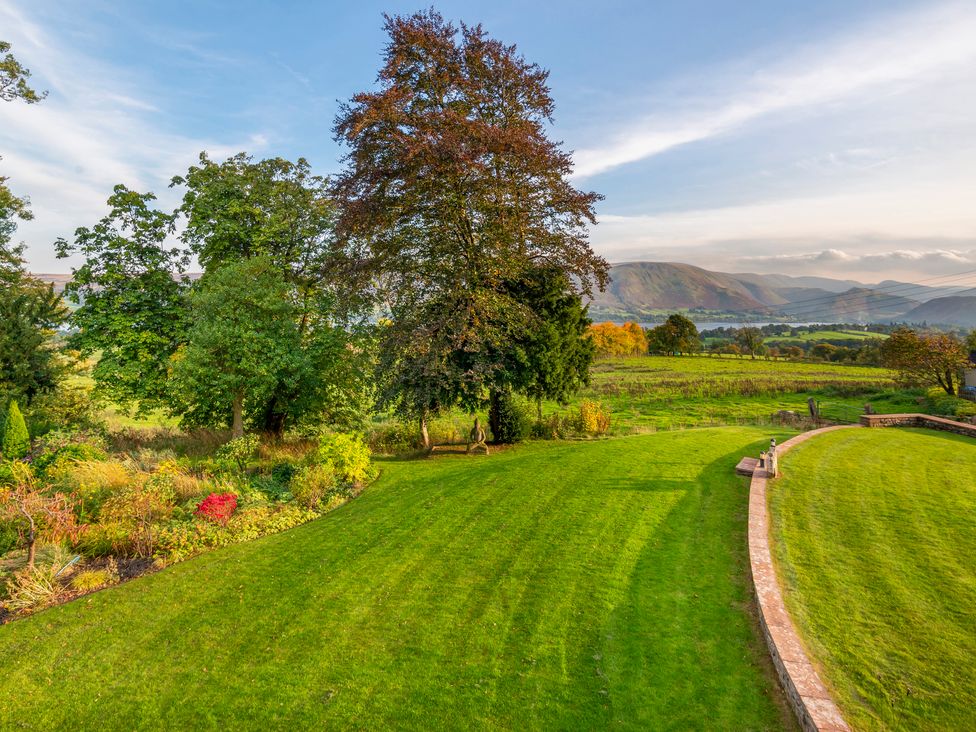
x=97 y=128
x=900 y=53
x=919 y=222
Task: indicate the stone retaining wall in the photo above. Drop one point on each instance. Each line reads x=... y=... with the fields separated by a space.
x=918 y=420
x=807 y=694
x=805 y=690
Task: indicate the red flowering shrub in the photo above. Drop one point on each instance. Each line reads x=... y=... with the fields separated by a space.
x=217 y=507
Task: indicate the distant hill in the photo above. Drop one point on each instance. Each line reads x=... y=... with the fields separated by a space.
x=856 y=305
x=646 y=290
x=58 y=280
x=924 y=293
x=953 y=310
x=642 y=290
x=642 y=287
x=807 y=282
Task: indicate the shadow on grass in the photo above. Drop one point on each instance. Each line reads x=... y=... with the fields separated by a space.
x=691 y=605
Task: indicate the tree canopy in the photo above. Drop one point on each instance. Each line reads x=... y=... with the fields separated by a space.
x=455 y=190
x=935 y=359
x=677 y=334
x=132 y=307
x=15 y=79
x=242 y=342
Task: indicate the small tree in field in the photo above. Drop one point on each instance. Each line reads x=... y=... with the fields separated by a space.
x=677 y=334
x=16 y=440
x=750 y=340
x=35 y=514
x=929 y=358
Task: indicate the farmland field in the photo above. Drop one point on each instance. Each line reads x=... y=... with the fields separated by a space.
x=874 y=536
x=553 y=585
x=826 y=335
x=670 y=392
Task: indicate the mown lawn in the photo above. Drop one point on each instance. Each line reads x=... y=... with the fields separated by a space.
x=557 y=586
x=875 y=534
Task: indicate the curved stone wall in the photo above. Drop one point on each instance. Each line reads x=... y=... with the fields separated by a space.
x=806 y=692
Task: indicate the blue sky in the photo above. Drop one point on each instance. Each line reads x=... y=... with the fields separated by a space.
x=835 y=138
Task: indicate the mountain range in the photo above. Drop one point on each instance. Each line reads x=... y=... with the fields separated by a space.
x=644 y=290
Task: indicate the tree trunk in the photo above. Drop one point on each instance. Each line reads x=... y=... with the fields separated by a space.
x=273 y=419
x=494 y=416
x=424 y=434
x=237 y=428
x=538 y=409
x=31 y=550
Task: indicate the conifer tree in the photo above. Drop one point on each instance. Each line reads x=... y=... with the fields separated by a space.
x=15 y=442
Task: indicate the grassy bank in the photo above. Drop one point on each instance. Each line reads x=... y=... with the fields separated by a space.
x=874 y=534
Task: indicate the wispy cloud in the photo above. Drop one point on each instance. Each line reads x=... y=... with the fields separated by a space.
x=99 y=126
x=887 y=57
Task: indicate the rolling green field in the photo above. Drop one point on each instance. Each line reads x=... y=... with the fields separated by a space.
x=671 y=392
x=817 y=336
x=554 y=585
x=648 y=393
x=874 y=536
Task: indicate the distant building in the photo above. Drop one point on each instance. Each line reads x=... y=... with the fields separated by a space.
x=970 y=375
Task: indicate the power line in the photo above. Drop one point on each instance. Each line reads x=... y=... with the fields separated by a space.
x=889 y=290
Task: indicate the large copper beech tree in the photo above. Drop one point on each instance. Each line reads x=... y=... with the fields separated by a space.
x=453 y=185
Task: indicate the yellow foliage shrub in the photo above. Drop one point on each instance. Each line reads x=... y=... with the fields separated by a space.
x=594 y=418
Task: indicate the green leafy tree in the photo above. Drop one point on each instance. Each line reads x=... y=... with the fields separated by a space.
x=750 y=340
x=30 y=313
x=551 y=358
x=456 y=188
x=29 y=310
x=936 y=359
x=276 y=209
x=13 y=86
x=677 y=334
x=15 y=442
x=242 y=343
x=132 y=299
x=15 y=79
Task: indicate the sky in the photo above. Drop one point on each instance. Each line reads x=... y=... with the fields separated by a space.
x=835 y=138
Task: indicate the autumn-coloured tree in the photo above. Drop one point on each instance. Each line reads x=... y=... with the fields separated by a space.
x=926 y=358
x=36 y=514
x=610 y=339
x=454 y=186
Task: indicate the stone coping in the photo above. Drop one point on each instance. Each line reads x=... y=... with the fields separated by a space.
x=806 y=692
x=918 y=420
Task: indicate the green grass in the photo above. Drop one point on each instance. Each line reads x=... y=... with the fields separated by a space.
x=826 y=336
x=551 y=586
x=671 y=392
x=875 y=535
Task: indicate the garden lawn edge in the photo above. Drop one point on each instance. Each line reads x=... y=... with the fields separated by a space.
x=806 y=693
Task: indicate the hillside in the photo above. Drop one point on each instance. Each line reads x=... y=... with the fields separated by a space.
x=641 y=287
x=647 y=289
x=857 y=305
x=955 y=310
